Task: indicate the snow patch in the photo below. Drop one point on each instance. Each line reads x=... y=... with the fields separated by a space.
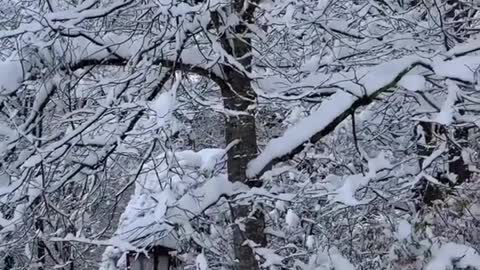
x=445 y=117
x=201 y=262
x=413 y=82
x=292 y=219
x=446 y=256
x=11 y=75
x=404 y=230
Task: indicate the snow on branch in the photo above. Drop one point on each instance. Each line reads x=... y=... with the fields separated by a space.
x=11 y=75
x=116 y=50
x=83 y=12
x=356 y=93
x=114 y=241
x=190 y=206
x=148 y=221
x=157 y=210
x=462 y=49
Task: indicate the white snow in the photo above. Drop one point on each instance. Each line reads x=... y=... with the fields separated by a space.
x=312 y=64
x=295 y=115
x=445 y=256
x=350 y=184
x=11 y=75
x=404 y=230
x=280 y=206
x=380 y=162
x=473 y=210
x=209 y=193
x=164 y=105
x=445 y=117
x=110 y=258
x=205 y=159
x=464 y=47
x=164 y=198
x=413 y=82
x=310 y=243
x=201 y=262
x=292 y=219
x=346 y=193
x=32 y=161
x=341 y=263
x=271 y=258
x=462 y=68
x=331 y=259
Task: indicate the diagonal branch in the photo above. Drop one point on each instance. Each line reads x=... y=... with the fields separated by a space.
x=330 y=114
x=205 y=72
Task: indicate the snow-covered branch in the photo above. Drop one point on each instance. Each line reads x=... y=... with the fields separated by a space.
x=332 y=112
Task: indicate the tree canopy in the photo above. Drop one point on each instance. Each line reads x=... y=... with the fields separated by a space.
x=245 y=134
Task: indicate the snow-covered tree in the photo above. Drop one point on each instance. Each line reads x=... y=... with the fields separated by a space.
x=259 y=134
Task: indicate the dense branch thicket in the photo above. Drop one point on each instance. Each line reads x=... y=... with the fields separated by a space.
x=326 y=134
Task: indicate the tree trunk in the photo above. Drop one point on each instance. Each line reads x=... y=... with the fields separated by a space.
x=41 y=249
x=9 y=262
x=430 y=192
x=456 y=163
x=239 y=96
x=426 y=192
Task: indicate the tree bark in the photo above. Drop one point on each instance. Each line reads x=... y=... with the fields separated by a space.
x=426 y=192
x=8 y=262
x=41 y=252
x=239 y=96
x=430 y=192
x=456 y=163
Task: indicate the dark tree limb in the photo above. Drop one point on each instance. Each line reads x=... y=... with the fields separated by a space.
x=359 y=102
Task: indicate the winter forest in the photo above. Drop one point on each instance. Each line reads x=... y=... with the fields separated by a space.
x=239 y=134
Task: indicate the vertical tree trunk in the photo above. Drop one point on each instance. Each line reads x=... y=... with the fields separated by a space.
x=39 y=226
x=456 y=163
x=430 y=192
x=8 y=262
x=239 y=96
x=41 y=252
x=426 y=192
